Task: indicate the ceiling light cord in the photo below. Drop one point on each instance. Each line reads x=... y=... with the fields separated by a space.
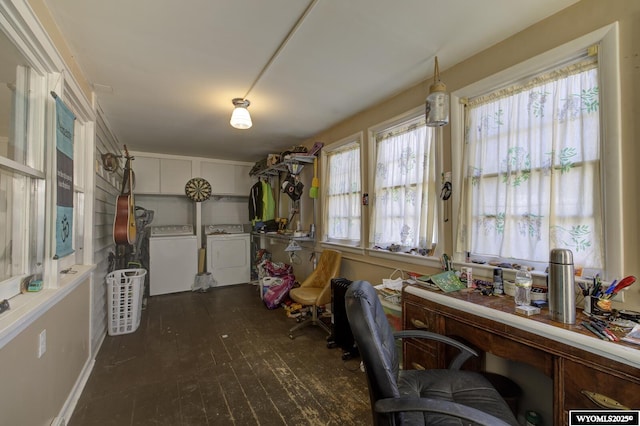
x=288 y=37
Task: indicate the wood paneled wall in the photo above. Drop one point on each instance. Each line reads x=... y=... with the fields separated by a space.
x=106 y=192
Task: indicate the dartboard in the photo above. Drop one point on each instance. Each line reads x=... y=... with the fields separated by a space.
x=198 y=189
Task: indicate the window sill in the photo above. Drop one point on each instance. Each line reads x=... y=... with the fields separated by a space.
x=415 y=259
x=28 y=307
x=343 y=247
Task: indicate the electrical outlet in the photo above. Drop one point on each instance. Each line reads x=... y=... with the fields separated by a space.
x=42 y=343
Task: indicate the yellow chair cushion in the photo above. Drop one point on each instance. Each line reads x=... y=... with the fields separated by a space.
x=305 y=295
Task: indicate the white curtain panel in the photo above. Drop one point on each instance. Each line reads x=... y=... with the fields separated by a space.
x=404 y=204
x=532 y=170
x=344 y=195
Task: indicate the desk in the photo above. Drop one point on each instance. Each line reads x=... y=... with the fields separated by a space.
x=570 y=355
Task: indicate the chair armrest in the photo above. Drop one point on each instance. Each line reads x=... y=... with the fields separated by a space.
x=465 y=351
x=400 y=404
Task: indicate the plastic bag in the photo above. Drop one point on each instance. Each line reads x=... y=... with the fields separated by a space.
x=203 y=282
x=276 y=293
x=277 y=269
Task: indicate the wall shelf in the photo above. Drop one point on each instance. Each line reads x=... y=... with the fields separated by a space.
x=285 y=165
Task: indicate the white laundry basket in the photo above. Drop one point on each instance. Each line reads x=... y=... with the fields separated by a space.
x=125 y=293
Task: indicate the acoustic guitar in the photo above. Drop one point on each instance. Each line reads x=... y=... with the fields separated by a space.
x=124 y=224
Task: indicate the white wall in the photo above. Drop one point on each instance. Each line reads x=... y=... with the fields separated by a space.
x=168 y=209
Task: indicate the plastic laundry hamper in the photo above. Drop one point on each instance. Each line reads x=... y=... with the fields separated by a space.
x=125 y=292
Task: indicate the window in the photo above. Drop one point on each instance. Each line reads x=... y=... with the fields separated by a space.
x=532 y=163
x=22 y=184
x=342 y=222
x=404 y=201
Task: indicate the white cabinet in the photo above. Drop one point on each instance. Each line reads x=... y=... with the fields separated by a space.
x=243 y=180
x=226 y=178
x=174 y=175
x=161 y=175
x=147 y=175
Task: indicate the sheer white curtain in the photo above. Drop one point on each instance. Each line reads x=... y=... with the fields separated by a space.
x=404 y=204
x=343 y=202
x=532 y=170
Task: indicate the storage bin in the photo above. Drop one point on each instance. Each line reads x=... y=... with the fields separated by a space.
x=125 y=293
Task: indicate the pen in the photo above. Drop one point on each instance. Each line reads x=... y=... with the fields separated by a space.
x=593 y=330
x=610 y=333
x=596 y=286
x=583 y=287
x=602 y=330
x=611 y=287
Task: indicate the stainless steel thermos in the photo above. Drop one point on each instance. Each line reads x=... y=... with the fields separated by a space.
x=561 y=286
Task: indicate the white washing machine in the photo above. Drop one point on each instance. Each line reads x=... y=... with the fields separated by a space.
x=228 y=254
x=173 y=259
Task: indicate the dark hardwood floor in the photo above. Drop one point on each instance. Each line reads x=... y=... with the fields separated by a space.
x=221 y=358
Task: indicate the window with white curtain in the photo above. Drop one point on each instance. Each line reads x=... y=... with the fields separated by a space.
x=404 y=199
x=343 y=206
x=532 y=169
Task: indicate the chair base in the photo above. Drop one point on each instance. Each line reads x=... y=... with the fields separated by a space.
x=313 y=320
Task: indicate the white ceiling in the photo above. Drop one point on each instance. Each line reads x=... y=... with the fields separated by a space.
x=165 y=71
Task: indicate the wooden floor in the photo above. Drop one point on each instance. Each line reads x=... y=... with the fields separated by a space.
x=221 y=358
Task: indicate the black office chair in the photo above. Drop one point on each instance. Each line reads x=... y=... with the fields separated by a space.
x=417 y=397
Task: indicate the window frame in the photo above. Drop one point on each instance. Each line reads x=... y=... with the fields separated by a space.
x=434 y=259
x=32 y=170
x=607 y=40
x=355 y=139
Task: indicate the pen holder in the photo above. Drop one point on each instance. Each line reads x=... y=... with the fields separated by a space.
x=596 y=306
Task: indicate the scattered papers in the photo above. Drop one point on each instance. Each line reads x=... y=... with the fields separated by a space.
x=633 y=336
x=392 y=284
x=390 y=291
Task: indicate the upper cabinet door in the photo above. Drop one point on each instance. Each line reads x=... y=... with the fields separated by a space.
x=147 y=175
x=160 y=175
x=227 y=179
x=243 y=181
x=221 y=176
x=174 y=175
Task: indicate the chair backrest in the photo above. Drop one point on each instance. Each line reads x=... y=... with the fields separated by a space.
x=328 y=267
x=374 y=337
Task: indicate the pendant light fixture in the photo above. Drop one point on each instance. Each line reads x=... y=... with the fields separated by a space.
x=437 y=104
x=240 y=118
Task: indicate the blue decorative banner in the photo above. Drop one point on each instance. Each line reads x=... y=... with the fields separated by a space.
x=64 y=182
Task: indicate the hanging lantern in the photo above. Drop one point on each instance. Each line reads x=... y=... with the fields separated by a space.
x=437 y=104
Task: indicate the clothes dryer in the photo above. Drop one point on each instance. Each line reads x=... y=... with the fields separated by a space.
x=228 y=254
x=173 y=259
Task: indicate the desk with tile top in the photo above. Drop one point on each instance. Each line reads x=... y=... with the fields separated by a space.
x=576 y=360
